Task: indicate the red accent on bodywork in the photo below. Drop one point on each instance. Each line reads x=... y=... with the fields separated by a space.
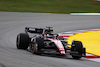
x=67 y=47
x=59 y=45
x=34 y=35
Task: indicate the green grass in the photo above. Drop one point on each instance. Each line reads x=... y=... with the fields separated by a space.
x=50 y=6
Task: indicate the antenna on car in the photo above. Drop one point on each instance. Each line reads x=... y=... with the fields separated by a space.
x=48 y=29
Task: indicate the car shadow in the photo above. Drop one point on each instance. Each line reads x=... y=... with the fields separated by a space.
x=61 y=57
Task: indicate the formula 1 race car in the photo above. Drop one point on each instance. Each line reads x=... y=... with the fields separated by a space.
x=46 y=42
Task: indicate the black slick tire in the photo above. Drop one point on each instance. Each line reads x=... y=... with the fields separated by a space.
x=22 y=41
x=38 y=45
x=40 y=42
x=77 y=47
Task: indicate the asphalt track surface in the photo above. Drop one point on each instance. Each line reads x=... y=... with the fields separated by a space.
x=12 y=23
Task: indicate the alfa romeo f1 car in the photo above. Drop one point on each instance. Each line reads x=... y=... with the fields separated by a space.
x=44 y=41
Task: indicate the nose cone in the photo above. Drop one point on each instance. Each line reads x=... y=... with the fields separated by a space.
x=62 y=52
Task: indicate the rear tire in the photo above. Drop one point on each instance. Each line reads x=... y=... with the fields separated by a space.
x=22 y=41
x=77 y=46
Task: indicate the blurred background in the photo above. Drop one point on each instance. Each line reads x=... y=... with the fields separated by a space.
x=50 y=6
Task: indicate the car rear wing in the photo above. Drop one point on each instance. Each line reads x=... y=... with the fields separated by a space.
x=34 y=30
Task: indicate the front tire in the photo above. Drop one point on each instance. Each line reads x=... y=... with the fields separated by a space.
x=78 y=47
x=22 y=41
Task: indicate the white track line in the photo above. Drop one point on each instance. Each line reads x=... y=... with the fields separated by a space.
x=85 y=14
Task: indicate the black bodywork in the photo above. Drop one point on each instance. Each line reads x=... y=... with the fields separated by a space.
x=46 y=42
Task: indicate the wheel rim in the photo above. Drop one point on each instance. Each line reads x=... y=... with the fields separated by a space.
x=36 y=47
x=18 y=41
